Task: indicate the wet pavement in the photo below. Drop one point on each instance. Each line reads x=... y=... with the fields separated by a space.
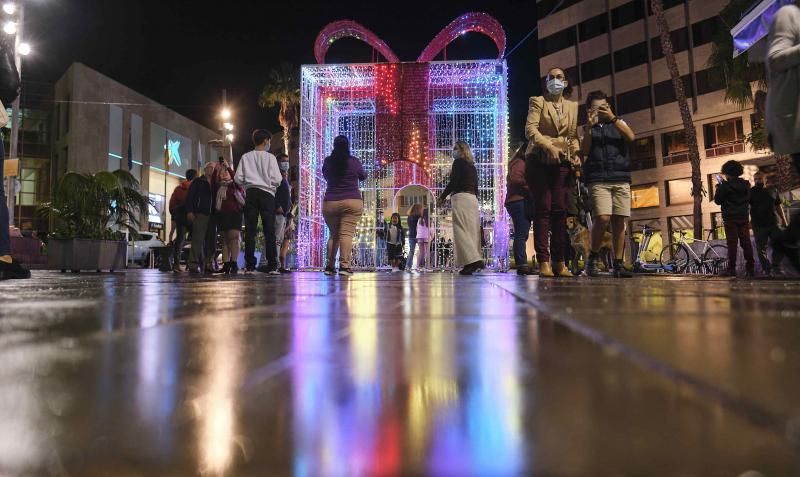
x=150 y=374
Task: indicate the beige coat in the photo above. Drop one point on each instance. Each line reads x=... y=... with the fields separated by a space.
x=544 y=128
x=783 y=66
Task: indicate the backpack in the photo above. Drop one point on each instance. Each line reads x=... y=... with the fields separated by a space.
x=177 y=202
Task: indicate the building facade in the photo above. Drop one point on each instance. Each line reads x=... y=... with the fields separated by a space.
x=98 y=124
x=613 y=46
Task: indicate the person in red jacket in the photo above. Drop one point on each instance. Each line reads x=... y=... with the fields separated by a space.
x=177 y=209
x=228 y=205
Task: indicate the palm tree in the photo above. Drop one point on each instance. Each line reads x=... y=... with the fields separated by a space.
x=698 y=191
x=283 y=89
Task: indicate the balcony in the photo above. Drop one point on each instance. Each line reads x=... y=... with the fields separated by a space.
x=676 y=158
x=718 y=150
x=642 y=163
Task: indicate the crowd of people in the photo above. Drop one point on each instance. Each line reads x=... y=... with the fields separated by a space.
x=541 y=177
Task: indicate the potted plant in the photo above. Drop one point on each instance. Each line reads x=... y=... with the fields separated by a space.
x=89 y=211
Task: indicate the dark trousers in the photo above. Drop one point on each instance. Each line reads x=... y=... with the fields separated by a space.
x=259 y=203
x=792 y=234
x=522 y=227
x=737 y=233
x=197 y=257
x=763 y=235
x=180 y=240
x=549 y=186
x=5 y=241
x=211 y=241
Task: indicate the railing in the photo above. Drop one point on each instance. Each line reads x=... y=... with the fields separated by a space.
x=642 y=163
x=725 y=149
x=676 y=158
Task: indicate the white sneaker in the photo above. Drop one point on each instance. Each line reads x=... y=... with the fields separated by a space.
x=395 y=269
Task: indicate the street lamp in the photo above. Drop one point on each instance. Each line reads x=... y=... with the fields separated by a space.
x=229 y=137
x=10 y=27
x=228 y=126
x=24 y=49
x=226 y=114
x=9 y=8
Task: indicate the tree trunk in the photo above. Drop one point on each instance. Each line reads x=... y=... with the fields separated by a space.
x=686 y=115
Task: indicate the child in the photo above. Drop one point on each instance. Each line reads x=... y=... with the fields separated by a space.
x=424 y=243
x=395 y=238
x=733 y=194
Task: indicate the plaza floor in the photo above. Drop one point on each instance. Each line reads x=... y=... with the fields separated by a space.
x=145 y=373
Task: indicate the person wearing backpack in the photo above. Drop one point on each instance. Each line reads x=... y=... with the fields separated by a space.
x=424 y=242
x=260 y=175
x=9 y=91
x=177 y=209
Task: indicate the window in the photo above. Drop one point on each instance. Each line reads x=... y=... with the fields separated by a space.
x=545 y=7
x=644 y=195
x=632 y=101
x=680 y=42
x=630 y=57
x=557 y=41
x=724 y=137
x=593 y=27
x=679 y=191
x=709 y=80
x=667 y=5
x=664 y=92
x=596 y=68
x=27 y=191
x=626 y=14
x=643 y=153
x=681 y=224
x=718 y=226
x=704 y=31
x=653 y=244
x=66 y=115
x=674 y=148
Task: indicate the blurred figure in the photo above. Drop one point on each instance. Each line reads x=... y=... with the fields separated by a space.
x=228 y=204
x=414 y=214
x=395 y=241
x=283 y=213
x=519 y=205
x=177 y=209
x=424 y=241
x=199 y=202
x=765 y=213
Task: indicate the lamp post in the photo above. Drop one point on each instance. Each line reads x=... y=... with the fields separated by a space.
x=226 y=128
x=21 y=48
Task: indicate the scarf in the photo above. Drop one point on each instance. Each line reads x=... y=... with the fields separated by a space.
x=222 y=194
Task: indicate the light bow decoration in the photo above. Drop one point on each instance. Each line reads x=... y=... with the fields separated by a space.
x=402 y=120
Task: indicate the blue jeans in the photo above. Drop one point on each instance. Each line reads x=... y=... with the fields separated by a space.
x=5 y=241
x=412 y=247
x=522 y=227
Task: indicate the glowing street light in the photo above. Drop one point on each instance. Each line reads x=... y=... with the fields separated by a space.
x=226 y=113
x=10 y=28
x=228 y=126
x=229 y=137
x=9 y=8
x=24 y=49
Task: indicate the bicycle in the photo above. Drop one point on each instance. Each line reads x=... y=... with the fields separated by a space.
x=681 y=258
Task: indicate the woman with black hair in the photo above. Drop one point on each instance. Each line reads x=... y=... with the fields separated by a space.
x=342 y=205
x=552 y=155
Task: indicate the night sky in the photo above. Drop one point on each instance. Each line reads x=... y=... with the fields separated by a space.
x=182 y=54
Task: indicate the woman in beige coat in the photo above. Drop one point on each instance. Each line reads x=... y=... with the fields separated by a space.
x=552 y=153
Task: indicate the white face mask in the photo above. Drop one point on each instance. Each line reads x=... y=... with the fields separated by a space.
x=284 y=166
x=555 y=86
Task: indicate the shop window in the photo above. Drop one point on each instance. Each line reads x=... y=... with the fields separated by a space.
x=642 y=153
x=596 y=68
x=630 y=57
x=679 y=191
x=644 y=195
x=674 y=148
x=593 y=27
x=718 y=226
x=724 y=137
x=681 y=225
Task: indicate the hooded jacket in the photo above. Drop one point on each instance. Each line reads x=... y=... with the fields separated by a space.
x=734 y=197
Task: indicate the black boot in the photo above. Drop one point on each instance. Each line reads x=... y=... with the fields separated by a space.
x=619 y=269
x=233 y=268
x=13 y=270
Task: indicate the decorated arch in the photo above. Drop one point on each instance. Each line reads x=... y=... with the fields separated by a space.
x=402 y=119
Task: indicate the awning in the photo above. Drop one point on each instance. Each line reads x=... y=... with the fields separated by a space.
x=749 y=35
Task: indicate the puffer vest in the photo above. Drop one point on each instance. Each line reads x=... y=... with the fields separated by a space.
x=608 y=157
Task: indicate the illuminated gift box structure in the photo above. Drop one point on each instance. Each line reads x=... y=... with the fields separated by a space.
x=402 y=120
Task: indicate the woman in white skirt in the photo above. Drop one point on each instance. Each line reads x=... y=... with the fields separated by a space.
x=463 y=189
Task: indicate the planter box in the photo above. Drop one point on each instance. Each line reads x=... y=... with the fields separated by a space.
x=86 y=254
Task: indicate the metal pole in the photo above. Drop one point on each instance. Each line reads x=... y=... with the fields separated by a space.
x=14 y=140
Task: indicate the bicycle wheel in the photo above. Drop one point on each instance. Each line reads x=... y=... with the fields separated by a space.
x=674 y=258
x=715 y=260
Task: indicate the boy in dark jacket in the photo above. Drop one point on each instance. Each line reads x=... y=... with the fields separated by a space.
x=733 y=194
